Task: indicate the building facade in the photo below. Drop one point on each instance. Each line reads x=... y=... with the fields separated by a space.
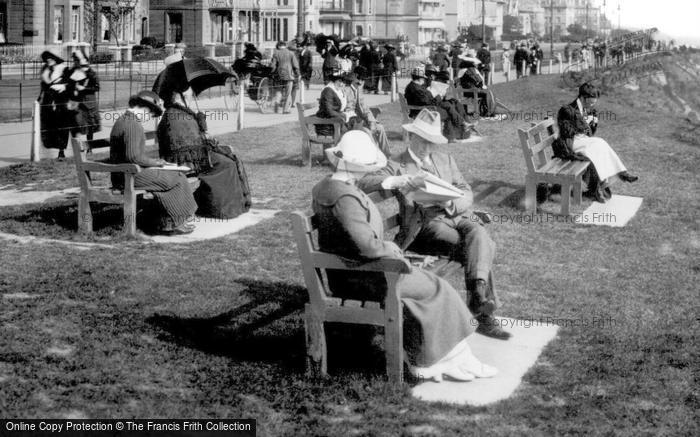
x=494 y=15
x=223 y=22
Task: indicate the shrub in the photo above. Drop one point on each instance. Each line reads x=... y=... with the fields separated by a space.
x=101 y=58
x=149 y=41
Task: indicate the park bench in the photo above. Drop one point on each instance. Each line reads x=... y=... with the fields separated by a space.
x=106 y=194
x=405 y=112
x=323 y=308
x=536 y=142
x=470 y=96
x=309 y=137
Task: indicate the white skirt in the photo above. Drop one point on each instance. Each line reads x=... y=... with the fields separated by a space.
x=603 y=157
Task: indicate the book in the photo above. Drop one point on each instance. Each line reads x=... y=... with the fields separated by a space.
x=175 y=167
x=434 y=190
x=438 y=88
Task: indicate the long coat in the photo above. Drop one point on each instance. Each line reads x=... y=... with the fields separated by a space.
x=329 y=106
x=87 y=115
x=56 y=119
x=350 y=225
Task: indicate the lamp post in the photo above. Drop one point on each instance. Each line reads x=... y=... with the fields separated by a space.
x=587 y=4
x=483 y=21
x=551 y=28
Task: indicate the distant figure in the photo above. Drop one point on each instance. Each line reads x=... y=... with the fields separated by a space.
x=520 y=58
x=330 y=63
x=506 y=61
x=454 y=56
x=484 y=55
x=305 y=64
x=439 y=58
x=391 y=66
x=53 y=98
x=83 y=86
x=285 y=70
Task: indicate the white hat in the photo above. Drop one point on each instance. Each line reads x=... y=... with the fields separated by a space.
x=356 y=151
x=468 y=58
x=427 y=125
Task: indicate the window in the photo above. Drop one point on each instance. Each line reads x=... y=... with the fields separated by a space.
x=58 y=23
x=75 y=23
x=104 y=25
x=126 y=25
x=174 y=27
x=358 y=6
x=221 y=27
x=144 y=27
x=3 y=11
x=311 y=25
x=358 y=30
x=369 y=30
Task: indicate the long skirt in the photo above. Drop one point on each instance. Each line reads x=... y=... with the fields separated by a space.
x=171 y=191
x=437 y=317
x=603 y=157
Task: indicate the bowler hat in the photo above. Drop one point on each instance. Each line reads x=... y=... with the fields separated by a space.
x=427 y=125
x=147 y=99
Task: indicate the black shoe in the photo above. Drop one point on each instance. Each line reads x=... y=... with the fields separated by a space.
x=626 y=177
x=61 y=155
x=489 y=326
x=180 y=230
x=487 y=306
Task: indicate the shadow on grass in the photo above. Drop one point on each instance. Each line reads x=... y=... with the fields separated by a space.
x=59 y=219
x=269 y=328
x=278 y=159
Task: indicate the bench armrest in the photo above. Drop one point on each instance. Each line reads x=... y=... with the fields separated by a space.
x=323 y=260
x=101 y=167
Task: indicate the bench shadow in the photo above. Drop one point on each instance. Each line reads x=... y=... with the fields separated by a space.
x=513 y=197
x=278 y=159
x=269 y=328
x=107 y=220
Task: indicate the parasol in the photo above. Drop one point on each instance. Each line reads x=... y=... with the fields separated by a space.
x=196 y=73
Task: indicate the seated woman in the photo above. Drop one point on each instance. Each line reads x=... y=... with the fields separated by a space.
x=577 y=125
x=223 y=190
x=332 y=103
x=350 y=225
x=170 y=188
x=454 y=122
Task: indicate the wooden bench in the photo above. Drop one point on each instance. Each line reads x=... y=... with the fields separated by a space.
x=106 y=194
x=536 y=142
x=405 y=112
x=308 y=125
x=472 y=94
x=323 y=308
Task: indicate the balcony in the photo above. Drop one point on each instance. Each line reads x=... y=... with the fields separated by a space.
x=333 y=6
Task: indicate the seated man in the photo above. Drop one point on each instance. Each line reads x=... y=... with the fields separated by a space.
x=448 y=228
x=455 y=126
x=362 y=115
x=169 y=187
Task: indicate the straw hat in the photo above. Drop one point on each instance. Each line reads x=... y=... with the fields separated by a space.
x=427 y=125
x=356 y=152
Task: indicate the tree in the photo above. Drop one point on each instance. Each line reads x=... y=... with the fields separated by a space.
x=115 y=12
x=512 y=27
x=576 y=31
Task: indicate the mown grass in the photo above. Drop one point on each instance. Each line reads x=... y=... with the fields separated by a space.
x=145 y=330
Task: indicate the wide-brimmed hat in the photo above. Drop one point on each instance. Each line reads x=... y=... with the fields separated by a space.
x=418 y=71
x=356 y=152
x=46 y=55
x=389 y=46
x=147 y=99
x=427 y=125
x=471 y=59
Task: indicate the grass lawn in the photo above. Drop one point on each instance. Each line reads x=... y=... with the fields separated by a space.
x=213 y=329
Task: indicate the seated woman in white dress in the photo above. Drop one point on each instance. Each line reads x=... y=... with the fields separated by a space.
x=578 y=123
x=350 y=225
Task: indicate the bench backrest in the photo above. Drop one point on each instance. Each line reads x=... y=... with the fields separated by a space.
x=314 y=262
x=406 y=108
x=81 y=147
x=536 y=142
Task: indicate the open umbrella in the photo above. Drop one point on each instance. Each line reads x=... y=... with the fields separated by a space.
x=196 y=73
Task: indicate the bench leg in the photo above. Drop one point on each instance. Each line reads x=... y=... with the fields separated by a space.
x=316 y=352
x=84 y=213
x=129 y=206
x=578 y=191
x=305 y=152
x=565 y=197
x=530 y=194
x=393 y=333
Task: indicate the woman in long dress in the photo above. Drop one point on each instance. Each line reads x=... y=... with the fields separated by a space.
x=350 y=225
x=578 y=123
x=83 y=86
x=53 y=100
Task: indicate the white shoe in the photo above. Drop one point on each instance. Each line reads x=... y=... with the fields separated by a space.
x=470 y=364
x=438 y=371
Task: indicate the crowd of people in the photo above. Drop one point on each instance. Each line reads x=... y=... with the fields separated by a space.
x=68 y=102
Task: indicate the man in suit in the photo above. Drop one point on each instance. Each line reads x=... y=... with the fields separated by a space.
x=484 y=55
x=521 y=54
x=448 y=228
x=305 y=64
x=285 y=68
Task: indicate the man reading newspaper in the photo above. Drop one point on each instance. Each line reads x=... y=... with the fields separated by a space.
x=448 y=226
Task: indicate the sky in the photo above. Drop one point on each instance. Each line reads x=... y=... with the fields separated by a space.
x=675 y=18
